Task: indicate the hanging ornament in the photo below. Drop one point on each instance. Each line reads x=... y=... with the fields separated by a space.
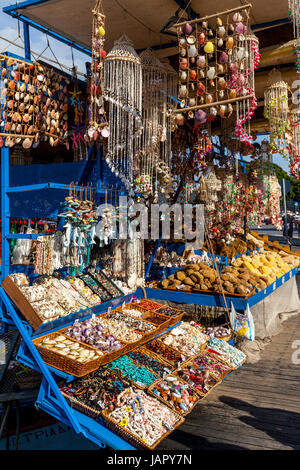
x=98 y=126
x=123 y=91
x=276 y=111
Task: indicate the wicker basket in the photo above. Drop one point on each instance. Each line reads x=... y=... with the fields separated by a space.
x=139 y=385
x=105 y=358
x=201 y=394
x=143 y=303
x=166 y=348
x=182 y=413
x=78 y=405
x=64 y=363
x=148 y=314
x=132 y=438
x=151 y=355
x=218 y=356
x=222 y=377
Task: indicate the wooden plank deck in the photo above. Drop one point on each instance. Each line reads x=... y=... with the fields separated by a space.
x=255 y=408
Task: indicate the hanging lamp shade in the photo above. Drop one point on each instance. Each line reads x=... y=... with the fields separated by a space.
x=123 y=91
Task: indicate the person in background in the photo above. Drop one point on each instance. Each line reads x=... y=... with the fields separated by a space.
x=290 y=231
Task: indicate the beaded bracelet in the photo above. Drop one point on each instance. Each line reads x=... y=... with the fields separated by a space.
x=144 y=360
x=176 y=394
x=144 y=416
x=138 y=374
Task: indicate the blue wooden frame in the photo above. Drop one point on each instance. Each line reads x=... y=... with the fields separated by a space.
x=216 y=300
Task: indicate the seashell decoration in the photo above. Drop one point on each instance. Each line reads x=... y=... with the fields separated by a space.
x=218 y=65
x=24 y=96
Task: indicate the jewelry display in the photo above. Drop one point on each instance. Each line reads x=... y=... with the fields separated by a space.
x=98 y=390
x=176 y=394
x=227 y=353
x=140 y=375
x=143 y=416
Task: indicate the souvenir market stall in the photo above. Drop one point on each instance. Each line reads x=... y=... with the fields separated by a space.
x=101 y=314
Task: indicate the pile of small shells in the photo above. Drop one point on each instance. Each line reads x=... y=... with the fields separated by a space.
x=48 y=310
x=233 y=356
x=217 y=331
x=135 y=323
x=186 y=338
x=71 y=349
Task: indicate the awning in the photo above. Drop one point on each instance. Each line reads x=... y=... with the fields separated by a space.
x=142 y=24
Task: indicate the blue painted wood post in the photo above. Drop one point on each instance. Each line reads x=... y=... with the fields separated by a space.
x=4 y=212
x=27 y=51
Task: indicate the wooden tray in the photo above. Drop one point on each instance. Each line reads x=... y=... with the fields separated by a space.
x=19 y=299
x=132 y=438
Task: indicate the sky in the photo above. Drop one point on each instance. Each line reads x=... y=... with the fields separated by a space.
x=9 y=30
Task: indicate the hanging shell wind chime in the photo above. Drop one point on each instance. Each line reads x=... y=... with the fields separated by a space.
x=276 y=111
x=154 y=91
x=213 y=185
x=294 y=142
x=98 y=126
x=123 y=91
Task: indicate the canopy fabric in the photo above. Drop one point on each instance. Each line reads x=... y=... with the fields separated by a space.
x=73 y=18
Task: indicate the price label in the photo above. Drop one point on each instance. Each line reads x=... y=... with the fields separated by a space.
x=164 y=375
x=101 y=404
x=168 y=425
x=140 y=384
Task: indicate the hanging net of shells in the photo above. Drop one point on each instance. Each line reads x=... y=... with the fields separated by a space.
x=18 y=102
x=123 y=91
x=294 y=142
x=98 y=125
x=154 y=91
x=276 y=111
x=168 y=116
x=215 y=67
x=34 y=104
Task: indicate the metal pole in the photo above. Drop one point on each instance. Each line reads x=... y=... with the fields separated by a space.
x=284 y=204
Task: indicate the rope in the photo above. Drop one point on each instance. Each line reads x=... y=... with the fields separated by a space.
x=36 y=54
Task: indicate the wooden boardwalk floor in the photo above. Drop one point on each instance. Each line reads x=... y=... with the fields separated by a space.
x=255 y=408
